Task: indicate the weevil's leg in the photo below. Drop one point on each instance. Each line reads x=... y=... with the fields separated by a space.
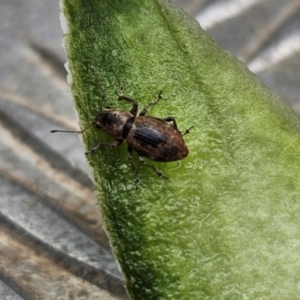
x=172 y=119
x=158 y=173
x=147 y=108
x=187 y=131
x=114 y=144
x=137 y=176
x=135 y=105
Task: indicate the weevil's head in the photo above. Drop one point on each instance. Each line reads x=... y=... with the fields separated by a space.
x=112 y=121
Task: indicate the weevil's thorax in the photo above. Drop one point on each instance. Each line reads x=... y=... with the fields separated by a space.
x=112 y=121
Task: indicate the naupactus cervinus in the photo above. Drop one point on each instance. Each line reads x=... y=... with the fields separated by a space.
x=150 y=137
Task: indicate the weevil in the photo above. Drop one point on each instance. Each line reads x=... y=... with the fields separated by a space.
x=150 y=137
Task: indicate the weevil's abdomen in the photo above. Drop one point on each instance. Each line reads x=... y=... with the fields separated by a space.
x=156 y=139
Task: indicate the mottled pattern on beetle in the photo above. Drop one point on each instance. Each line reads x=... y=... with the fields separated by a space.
x=112 y=121
x=156 y=139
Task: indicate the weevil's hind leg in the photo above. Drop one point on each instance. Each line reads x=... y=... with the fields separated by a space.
x=137 y=176
x=187 y=131
x=114 y=144
x=158 y=173
x=172 y=119
x=147 y=108
x=135 y=105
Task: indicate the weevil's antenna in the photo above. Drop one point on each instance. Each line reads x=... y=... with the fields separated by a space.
x=101 y=105
x=99 y=86
x=72 y=131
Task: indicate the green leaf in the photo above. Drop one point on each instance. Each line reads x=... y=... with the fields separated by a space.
x=225 y=225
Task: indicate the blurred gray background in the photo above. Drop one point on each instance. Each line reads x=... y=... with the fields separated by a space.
x=52 y=245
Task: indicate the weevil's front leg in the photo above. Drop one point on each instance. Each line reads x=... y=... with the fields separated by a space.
x=147 y=108
x=137 y=176
x=158 y=173
x=135 y=105
x=114 y=144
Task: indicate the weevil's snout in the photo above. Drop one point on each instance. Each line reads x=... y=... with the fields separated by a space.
x=99 y=119
x=97 y=125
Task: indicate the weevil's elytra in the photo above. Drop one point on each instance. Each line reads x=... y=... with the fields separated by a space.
x=150 y=137
x=156 y=139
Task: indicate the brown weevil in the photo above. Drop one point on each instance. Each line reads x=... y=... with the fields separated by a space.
x=150 y=137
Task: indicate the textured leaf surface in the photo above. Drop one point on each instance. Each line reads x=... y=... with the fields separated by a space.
x=35 y=96
x=227 y=215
